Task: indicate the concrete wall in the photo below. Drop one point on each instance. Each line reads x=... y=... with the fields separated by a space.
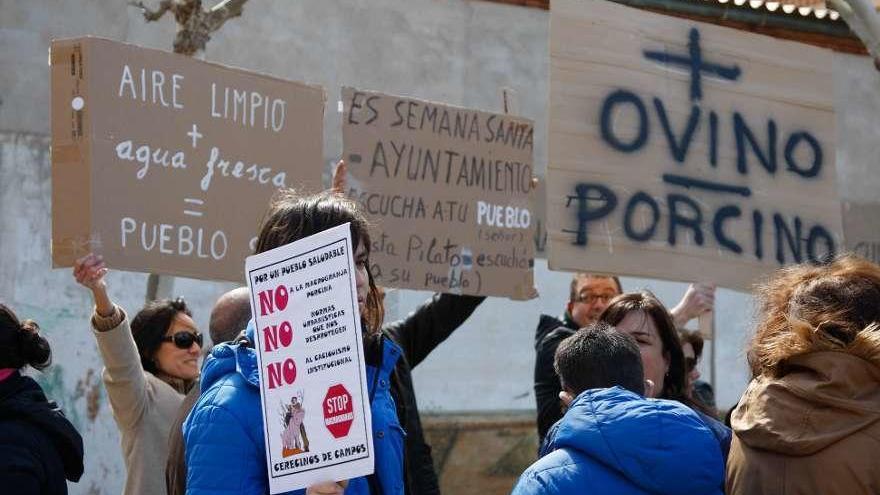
x=459 y=52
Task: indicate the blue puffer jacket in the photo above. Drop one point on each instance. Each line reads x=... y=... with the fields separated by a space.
x=614 y=441
x=225 y=450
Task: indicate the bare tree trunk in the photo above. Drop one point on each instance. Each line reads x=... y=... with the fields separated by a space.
x=195 y=24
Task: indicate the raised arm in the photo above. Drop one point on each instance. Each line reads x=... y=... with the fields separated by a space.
x=123 y=373
x=431 y=323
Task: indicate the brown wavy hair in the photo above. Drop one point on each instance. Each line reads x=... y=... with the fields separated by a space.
x=806 y=308
x=675 y=381
x=292 y=217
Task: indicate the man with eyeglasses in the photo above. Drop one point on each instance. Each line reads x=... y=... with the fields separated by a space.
x=589 y=295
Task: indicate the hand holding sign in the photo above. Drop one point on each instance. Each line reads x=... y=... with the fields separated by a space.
x=328 y=488
x=699 y=299
x=89 y=271
x=339 y=180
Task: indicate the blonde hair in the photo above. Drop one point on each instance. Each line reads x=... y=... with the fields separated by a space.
x=806 y=308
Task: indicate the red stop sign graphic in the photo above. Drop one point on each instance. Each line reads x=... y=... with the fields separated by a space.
x=338 y=411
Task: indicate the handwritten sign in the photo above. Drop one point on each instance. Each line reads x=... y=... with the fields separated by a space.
x=166 y=164
x=449 y=190
x=313 y=388
x=686 y=151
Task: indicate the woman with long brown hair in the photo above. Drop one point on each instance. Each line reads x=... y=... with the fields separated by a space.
x=646 y=319
x=224 y=432
x=809 y=422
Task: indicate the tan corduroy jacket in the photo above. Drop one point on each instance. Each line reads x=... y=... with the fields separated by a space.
x=815 y=430
x=144 y=405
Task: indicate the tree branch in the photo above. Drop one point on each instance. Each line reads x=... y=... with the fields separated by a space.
x=153 y=15
x=222 y=12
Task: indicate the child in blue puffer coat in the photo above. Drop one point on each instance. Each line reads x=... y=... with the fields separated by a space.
x=614 y=440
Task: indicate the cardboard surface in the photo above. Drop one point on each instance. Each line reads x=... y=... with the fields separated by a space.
x=861 y=228
x=315 y=402
x=686 y=151
x=166 y=164
x=448 y=190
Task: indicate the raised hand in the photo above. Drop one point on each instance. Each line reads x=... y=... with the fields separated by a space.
x=328 y=488
x=699 y=299
x=339 y=181
x=90 y=271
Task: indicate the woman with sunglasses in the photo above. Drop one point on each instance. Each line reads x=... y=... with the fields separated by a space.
x=149 y=365
x=699 y=390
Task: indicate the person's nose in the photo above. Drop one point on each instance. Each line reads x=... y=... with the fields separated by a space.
x=360 y=279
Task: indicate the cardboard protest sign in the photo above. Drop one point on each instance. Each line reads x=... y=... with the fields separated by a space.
x=313 y=387
x=166 y=164
x=861 y=229
x=449 y=190
x=686 y=151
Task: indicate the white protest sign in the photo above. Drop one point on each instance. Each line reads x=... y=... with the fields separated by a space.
x=313 y=388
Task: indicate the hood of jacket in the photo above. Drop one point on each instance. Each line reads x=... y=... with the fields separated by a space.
x=823 y=398
x=547 y=324
x=651 y=442
x=231 y=357
x=22 y=399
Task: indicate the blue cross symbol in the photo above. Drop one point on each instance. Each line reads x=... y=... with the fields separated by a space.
x=694 y=61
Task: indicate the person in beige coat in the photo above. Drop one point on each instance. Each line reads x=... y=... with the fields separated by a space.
x=149 y=365
x=809 y=422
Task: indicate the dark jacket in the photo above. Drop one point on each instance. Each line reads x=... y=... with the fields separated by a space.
x=39 y=448
x=175 y=467
x=418 y=334
x=614 y=441
x=549 y=334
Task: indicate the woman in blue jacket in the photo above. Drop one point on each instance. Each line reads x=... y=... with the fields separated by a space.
x=224 y=434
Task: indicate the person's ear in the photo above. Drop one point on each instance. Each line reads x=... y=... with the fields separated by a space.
x=649 y=388
x=566 y=398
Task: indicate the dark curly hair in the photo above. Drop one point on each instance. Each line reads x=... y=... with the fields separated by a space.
x=21 y=343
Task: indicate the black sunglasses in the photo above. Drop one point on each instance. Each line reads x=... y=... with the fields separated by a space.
x=184 y=340
x=689 y=363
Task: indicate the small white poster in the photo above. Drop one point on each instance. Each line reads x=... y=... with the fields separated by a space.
x=313 y=388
